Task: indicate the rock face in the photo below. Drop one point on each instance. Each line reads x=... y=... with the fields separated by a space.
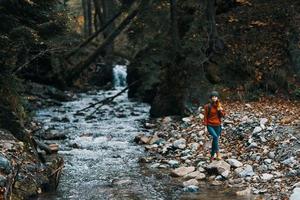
x=182 y=171
x=218 y=167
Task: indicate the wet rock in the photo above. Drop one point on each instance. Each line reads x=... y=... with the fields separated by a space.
x=218 y=167
x=2 y=181
x=201 y=169
x=190 y=182
x=191 y=188
x=156 y=165
x=290 y=161
x=53 y=135
x=4 y=164
x=268 y=161
x=263 y=121
x=196 y=175
x=296 y=185
x=234 y=163
x=141 y=139
x=182 y=171
x=225 y=174
x=186 y=119
x=216 y=183
x=173 y=163
x=296 y=194
x=245 y=192
x=179 y=144
x=252 y=145
x=271 y=155
x=194 y=146
x=266 y=177
x=257 y=130
x=154 y=139
x=245 y=171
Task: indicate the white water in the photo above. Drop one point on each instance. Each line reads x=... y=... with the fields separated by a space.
x=120 y=75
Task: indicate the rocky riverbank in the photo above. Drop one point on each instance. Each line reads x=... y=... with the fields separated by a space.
x=23 y=175
x=30 y=167
x=260 y=146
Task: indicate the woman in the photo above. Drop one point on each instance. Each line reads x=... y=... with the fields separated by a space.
x=213 y=112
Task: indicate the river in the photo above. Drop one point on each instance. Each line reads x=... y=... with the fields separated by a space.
x=101 y=159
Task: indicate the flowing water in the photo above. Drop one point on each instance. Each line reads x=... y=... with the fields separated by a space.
x=101 y=159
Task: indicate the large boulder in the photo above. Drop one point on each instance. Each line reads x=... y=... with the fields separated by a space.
x=182 y=171
x=218 y=167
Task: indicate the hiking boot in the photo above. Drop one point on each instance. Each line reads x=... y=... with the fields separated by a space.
x=219 y=157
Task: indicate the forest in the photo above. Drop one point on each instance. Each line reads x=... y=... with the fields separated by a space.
x=113 y=99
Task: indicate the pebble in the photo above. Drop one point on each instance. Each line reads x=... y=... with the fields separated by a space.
x=257 y=130
x=180 y=144
x=266 y=177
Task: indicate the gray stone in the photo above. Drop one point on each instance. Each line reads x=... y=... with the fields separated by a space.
x=218 y=167
x=268 y=161
x=2 y=181
x=225 y=174
x=180 y=144
x=263 y=121
x=289 y=161
x=296 y=185
x=234 y=163
x=201 y=169
x=194 y=146
x=192 y=175
x=252 y=145
x=156 y=165
x=4 y=164
x=190 y=182
x=266 y=177
x=247 y=170
x=296 y=194
x=271 y=154
x=182 y=171
x=191 y=188
x=173 y=163
x=257 y=130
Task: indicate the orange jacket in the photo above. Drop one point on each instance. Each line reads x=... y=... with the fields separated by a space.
x=214 y=118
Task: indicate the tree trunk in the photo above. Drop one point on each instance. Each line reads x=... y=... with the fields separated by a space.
x=87 y=15
x=74 y=73
x=170 y=96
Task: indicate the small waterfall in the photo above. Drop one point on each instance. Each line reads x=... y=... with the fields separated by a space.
x=120 y=74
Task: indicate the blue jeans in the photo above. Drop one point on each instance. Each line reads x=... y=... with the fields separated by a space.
x=215 y=132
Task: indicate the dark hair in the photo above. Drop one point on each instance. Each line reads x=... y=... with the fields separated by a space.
x=214 y=94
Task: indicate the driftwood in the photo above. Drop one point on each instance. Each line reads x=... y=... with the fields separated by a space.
x=43 y=146
x=105 y=101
